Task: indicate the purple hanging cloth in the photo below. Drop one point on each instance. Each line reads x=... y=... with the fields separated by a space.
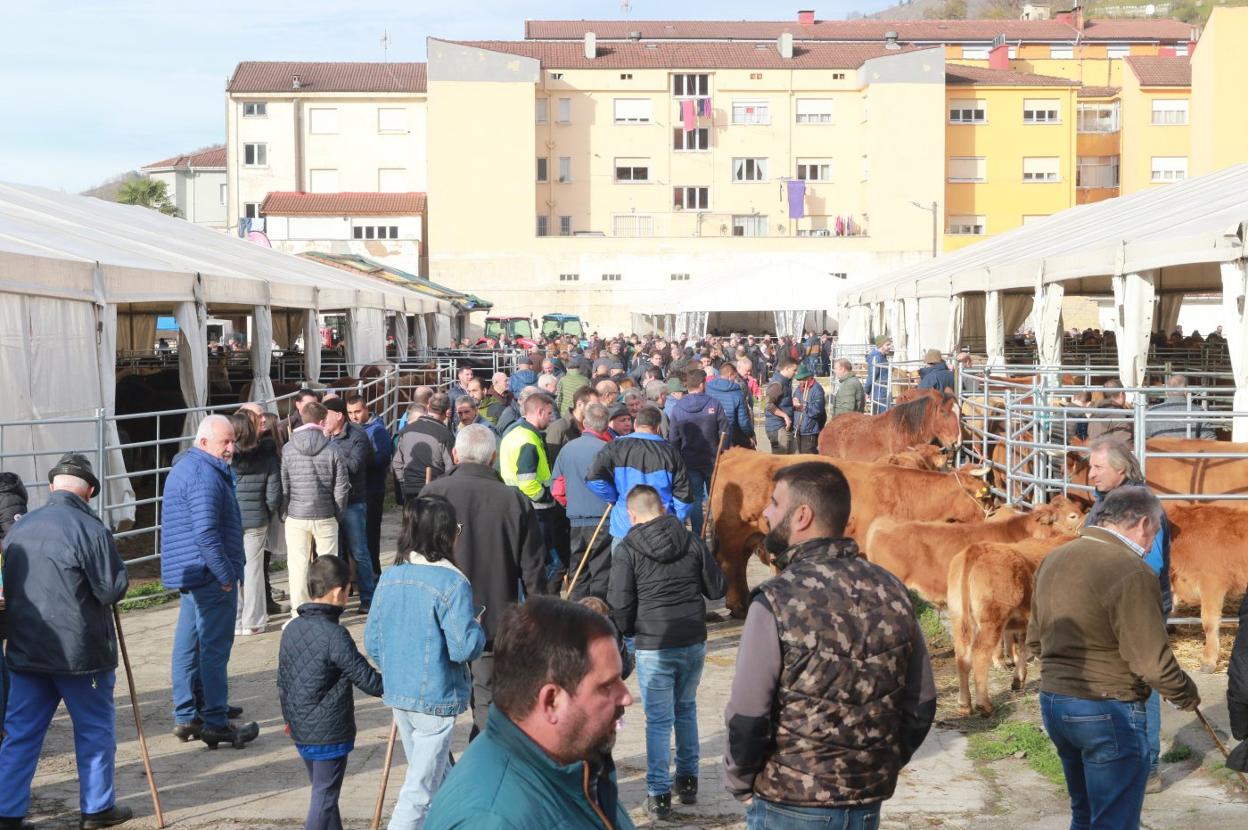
x=797 y=198
x=704 y=107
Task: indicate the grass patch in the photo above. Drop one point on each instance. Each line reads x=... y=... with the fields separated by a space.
x=147 y=595
x=929 y=621
x=1013 y=738
x=277 y=565
x=1177 y=752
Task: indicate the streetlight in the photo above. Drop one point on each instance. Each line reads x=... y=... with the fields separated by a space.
x=935 y=213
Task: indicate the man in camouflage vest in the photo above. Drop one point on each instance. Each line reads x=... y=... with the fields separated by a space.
x=833 y=691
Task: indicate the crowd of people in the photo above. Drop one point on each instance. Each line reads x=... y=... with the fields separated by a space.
x=584 y=474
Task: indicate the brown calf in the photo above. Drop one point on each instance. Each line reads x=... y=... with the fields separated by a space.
x=1208 y=561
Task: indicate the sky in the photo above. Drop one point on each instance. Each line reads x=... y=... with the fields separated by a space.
x=94 y=88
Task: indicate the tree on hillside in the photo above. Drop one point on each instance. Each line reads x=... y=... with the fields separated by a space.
x=946 y=10
x=148 y=193
x=1002 y=9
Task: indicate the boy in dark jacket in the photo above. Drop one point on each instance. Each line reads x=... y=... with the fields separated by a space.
x=316 y=666
x=659 y=576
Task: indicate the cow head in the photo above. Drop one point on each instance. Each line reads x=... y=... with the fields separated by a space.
x=947 y=422
x=1060 y=517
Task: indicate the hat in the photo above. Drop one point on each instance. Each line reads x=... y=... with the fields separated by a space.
x=336 y=404
x=803 y=373
x=880 y=340
x=675 y=384
x=619 y=411
x=654 y=389
x=933 y=356
x=77 y=465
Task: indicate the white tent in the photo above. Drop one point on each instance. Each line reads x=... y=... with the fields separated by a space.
x=1143 y=249
x=69 y=265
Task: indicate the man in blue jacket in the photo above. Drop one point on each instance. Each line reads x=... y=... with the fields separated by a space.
x=877 y=383
x=202 y=557
x=698 y=430
x=62 y=572
x=778 y=416
x=809 y=408
x=378 y=471
x=727 y=390
x=936 y=374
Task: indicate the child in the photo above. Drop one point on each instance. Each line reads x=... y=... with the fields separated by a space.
x=316 y=665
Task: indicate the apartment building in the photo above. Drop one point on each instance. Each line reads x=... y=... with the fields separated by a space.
x=329 y=157
x=1219 y=117
x=761 y=174
x=1156 y=136
x=196 y=184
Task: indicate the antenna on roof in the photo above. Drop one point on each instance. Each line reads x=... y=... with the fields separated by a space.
x=385 y=45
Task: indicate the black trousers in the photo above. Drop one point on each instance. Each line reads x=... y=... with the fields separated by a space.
x=482 y=670
x=597 y=571
x=326 y=778
x=376 y=504
x=808 y=443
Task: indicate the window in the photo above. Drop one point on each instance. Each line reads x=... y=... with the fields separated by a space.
x=688 y=86
x=749 y=170
x=543 y=226
x=565 y=226
x=1169 y=111
x=541 y=107
x=691 y=198
x=391 y=120
x=543 y=173
x=224 y=193
x=1180 y=50
x=970 y=111
x=626 y=76
x=749 y=226
x=750 y=112
x=699 y=139
x=756 y=76
x=814 y=111
x=966 y=225
x=1063 y=53
x=632 y=170
x=565 y=168
x=1118 y=50
x=1098 y=118
x=633 y=224
x=1169 y=168
x=838 y=76
x=814 y=170
x=1097 y=171
x=569 y=278
x=392 y=180
x=680 y=278
x=1041 y=111
x=1011 y=52
x=323 y=121
x=255 y=155
x=968 y=169
x=322 y=181
x=565 y=110
x=255 y=109
x=975 y=53
x=610 y=277
x=556 y=76
x=375 y=231
x=1042 y=169
x=251 y=210
x=632 y=110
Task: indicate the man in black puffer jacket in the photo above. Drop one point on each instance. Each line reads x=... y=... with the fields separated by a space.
x=12 y=506
x=660 y=574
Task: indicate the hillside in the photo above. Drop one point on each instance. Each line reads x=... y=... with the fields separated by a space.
x=108 y=189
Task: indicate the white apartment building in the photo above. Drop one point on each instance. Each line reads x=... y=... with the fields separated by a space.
x=196 y=183
x=329 y=157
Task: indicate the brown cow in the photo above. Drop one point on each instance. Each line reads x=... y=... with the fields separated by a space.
x=743 y=489
x=918 y=553
x=926 y=457
x=1208 y=561
x=932 y=416
x=990 y=587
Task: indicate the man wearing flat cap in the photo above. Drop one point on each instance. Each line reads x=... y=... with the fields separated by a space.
x=809 y=408
x=62 y=572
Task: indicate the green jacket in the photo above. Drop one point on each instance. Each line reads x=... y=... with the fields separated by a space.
x=849 y=397
x=568 y=385
x=504 y=781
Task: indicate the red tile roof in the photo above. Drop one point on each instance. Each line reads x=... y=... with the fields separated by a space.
x=930 y=31
x=287 y=203
x=1156 y=71
x=958 y=75
x=675 y=55
x=211 y=158
x=278 y=76
x=1099 y=91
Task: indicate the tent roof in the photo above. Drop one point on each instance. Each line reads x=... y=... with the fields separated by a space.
x=1184 y=230
x=51 y=243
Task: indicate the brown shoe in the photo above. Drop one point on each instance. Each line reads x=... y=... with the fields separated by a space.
x=1154 y=784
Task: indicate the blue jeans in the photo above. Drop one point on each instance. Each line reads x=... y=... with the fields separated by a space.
x=697 y=488
x=202 y=642
x=355 y=534
x=1103 y=746
x=669 y=680
x=427 y=745
x=767 y=815
x=1152 y=712
x=34 y=699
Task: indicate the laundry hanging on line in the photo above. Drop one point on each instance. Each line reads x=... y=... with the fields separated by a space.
x=797 y=198
x=704 y=107
x=688 y=115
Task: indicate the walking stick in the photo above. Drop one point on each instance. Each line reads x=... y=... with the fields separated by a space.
x=585 y=556
x=706 y=514
x=138 y=721
x=1205 y=723
x=385 y=774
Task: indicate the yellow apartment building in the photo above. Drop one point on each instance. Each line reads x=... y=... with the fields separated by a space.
x=1010 y=146
x=1156 y=136
x=1219 y=130
x=1098 y=141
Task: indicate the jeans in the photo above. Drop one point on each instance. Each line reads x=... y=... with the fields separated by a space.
x=35 y=697
x=781 y=441
x=1103 y=746
x=482 y=671
x=376 y=506
x=326 y=777
x=355 y=531
x=767 y=815
x=252 y=603
x=669 y=688
x=427 y=745
x=201 y=653
x=299 y=536
x=697 y=488
x=1152 y=713
x=555 y=536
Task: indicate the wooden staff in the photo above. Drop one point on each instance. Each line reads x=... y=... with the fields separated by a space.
x=138 y=720
x=1205 y=723
x=706 y=514
x=585 y=557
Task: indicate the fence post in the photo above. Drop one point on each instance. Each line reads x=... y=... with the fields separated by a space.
x=101 y=470
x=1008 y=436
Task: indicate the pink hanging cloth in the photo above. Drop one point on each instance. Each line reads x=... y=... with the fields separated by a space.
x=688 y=115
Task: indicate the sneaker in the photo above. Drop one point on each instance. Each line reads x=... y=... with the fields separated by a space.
x=106 y=818
x=1154 y=784
x=659 y=806
x=687 y=789
x=237 y=735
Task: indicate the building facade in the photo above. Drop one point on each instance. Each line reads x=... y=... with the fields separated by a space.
x=196 y=184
